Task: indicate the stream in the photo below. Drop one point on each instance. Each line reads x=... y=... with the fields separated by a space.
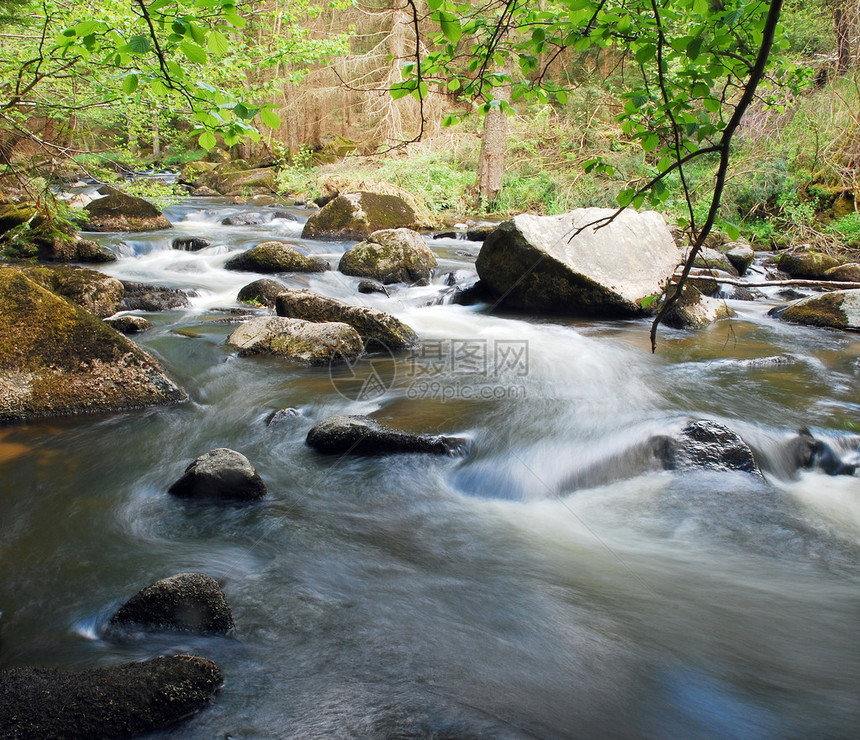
x=493 y=595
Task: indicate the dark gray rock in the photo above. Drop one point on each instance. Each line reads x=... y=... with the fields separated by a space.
x=190 y=243
x=141 y=297
x=263 y=291
x=188 y=602
x=220 y=475
x=251 y=218
x=129 y=324
x=361 y=435
x=282 y=415
x=113 y=702
x=371 y=286
x=705 y=445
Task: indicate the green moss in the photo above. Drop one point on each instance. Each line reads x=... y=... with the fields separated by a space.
x=824 y=310
x=358 y=215
x=811 y=265
x=273 y=256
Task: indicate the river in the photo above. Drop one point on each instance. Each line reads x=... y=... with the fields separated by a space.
x=494 y=595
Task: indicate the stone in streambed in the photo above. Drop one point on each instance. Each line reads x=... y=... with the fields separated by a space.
x=694 y=311
x=361 y=435
x=98 y=293
x=114 y=702
x=740 y=254
x=117 y=211
x=142 y=297
x=129 y=324
x=705 y=445
x=847 y=273
x=190 y=602
x=390 y=256
x=220 y=475
x=358 y=215
x=294 y=339
x=263 y=291
x=273 y=256
x=807 y=265
x=837 y=310
x=190 y=243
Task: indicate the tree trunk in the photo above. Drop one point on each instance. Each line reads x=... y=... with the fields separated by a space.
x=491 y=164
x=842 y=24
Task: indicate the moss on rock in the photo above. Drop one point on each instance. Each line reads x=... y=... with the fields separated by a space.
x=390 y=256
x=117 y=211
x=274 y=256
x=56 y=358
x=358 y=215
x=807 y=265
x=837 y=310
x=301 y=341
x=694 y=310
x=98 y=293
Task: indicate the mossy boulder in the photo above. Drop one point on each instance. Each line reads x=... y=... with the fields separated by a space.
x=26 y=232
x=362 y=435
x=370 y=323
x=143 y=297
x=220 y=475
x=566 y=265
x=390 y=256
x=358 y=215
x=262 y=292
x=188 y=602
x=98 y=293
x=247 y=182
x=117 y=211
x=273 y=256
x=15 y=214
x=847 y=273
x=57 y=358
x=694 y=310
x=837 y=310
x=807 y=265
x=113 y=702
x=294 y=339
x=193 y=171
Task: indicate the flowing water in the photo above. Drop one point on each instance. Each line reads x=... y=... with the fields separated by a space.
x=540 y=587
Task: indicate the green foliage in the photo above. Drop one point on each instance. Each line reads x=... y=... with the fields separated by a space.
x=848 y=227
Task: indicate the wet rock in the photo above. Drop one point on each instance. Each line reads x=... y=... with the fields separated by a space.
x=282 y=415
x=117 y=211
x=204 y=192
x=847 y=273
x=807 y=265
x=535 y=263
x=390 y=256
x=220 y=475
x=361 y=435
x=129 y=324
x=58 y=359
x=837 y=310
x=190 y=243
x=358 y=215
x=368 y=322
x=247 y=219
x=789 y=294
x=141 y=297
x=114 y=702
x=189 y=602
x=52 y=239
x=371 y=286
x=263 y=291
x=261 y=180
x=739 y=293
x=297 y=340
x=705 y=445
x=741 y=256
x=805 y=452
x=711 y=259
x=693 y=310
x=273 y=256
x=284 y=216
x=769 y=362
x=98 y=293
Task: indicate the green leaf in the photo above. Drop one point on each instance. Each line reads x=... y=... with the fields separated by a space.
x=87 y=27
x=129 y=84
x=218 y=43
x=561 y=96
x=450 y=25
x=650 y=142
x=194 y=53
x=270 y=118
x=207 y=140
x=139 y=44
x=625 y=196
x=694 y=48
x=159 y=4
x=234 y=20
x=197 y=34
x=712 y=105
x=646 y=53
x=733 y=231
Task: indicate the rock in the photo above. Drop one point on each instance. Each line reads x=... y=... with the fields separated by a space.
x=192 y=172
x=847 y=273
x=270 y=257
x=114 y=702
x=282 y=415
x=371 y=286
x=220 y=475
x=117 y=211
x=789 y=294
x=297 y=340
x=58 y=359
x=837 y=310
x=50 y=239
x=249 y=182
x=741 y=256
x=141 y=297
x=84 y=250
x=390 y=256
x=129 y=324
x=361 y=435
x=739 y=293
x=805 y=452
x=368 y=322
x=531 y=263
x=693 y=311
x=284 y=216
x=15 y=214
x=189 y=602
x=807 y=265
x=705 y=445
x=98 y=293
x=190 y=243
x=263 y=291
x=358 y=215
x=204 y=192
x=711 y=259
x=249 y=218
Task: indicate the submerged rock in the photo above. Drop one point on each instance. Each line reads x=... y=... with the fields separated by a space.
x=282 y=415
x=273 y=256
x=98 y=293
x=807 y=265
x=57 y=359
x=263 y=291
x=190 y=602
x=390 y=256
x=705 y=445
x=693 y=310
x=535 y=263
x=361 y=435
x=117 y=211
x=837 y=310
x=358 y=215
x=141 y=297
x=129 y=324
x=220 y=475
x=368 y=322
x=113 y=702
x=190 y=243
x=298 y=340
